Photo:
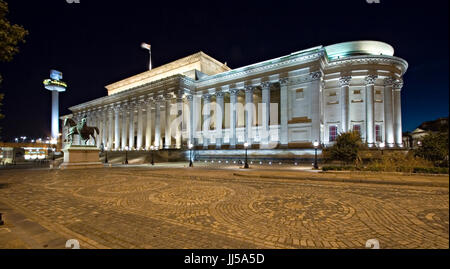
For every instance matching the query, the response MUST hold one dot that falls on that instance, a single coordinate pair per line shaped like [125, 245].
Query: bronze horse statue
[81, 129]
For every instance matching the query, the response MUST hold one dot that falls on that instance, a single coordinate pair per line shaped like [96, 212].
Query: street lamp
[126, 155]
[151, 149]
[382, 145]
[191, 164]
[316, 145]
[246, 159]
[106, 154]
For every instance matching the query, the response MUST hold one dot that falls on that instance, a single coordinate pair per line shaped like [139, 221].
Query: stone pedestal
[80, 157]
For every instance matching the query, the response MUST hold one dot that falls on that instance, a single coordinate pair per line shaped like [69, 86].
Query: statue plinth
[80, 157]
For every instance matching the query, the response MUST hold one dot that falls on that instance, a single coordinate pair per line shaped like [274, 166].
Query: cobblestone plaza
[160, 207]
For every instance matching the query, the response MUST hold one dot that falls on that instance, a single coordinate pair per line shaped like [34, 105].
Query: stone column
[388, 112]
[158, 122]
[117, 127]
[140, 125]
[249, 114]
[284, 111]
[179, 121]
[398, 113]
[233, 117]
[344, 83]
[132, 109]
[88, 118]
[206, 119]
[315, 108]
[190, 127]
[97, 117]
[370, 113]
[124, 126]
[219, 119]
[168, 131]
[110, 140]
[265, 134]
[148, 130]
[104, 126]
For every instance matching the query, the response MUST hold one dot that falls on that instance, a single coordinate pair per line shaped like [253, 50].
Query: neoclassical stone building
[283, 103]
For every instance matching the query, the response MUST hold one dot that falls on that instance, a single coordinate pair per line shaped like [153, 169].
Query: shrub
[398, 162]
[339, 168]
[431, 170]
[345, 149]
[434, 148]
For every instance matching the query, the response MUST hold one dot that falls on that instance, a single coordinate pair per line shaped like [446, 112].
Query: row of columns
[392, 109]
[315, 79]
[110, 118]
[118, 130]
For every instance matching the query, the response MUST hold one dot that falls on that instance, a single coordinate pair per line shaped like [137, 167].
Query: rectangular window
[299, 94]
[357, 128]
[333, 133]
[378, 134]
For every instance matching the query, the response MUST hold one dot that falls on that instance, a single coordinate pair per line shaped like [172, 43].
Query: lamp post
[151, 149]
[382, 145]
[316, 145]
[246, 159]
[106, 154]
[191, 164]
[126, 155]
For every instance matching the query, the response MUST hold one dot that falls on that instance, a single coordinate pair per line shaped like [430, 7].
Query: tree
[10, 37]
[346, 148]
[434, 147]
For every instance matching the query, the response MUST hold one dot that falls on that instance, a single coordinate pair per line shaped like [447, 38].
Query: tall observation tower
[55, 85]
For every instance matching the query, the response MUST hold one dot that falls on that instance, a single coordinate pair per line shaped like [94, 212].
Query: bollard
[1, 221]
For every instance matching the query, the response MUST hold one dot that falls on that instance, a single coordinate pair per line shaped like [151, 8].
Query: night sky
[97, 42]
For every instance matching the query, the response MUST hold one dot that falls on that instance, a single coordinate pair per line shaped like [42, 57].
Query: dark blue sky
[97, 42]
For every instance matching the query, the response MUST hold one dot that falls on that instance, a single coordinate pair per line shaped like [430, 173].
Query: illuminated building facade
[285, 103]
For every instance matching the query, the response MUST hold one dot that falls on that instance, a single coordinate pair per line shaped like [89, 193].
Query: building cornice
[154, 86]
[270, 65]
[371, 59]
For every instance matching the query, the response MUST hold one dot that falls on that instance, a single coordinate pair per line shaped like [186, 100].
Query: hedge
[424, 170]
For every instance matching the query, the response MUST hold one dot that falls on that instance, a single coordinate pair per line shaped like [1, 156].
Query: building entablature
[175, 84]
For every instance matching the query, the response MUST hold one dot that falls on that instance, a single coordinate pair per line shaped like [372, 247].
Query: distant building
[412, 139]
[11, 153]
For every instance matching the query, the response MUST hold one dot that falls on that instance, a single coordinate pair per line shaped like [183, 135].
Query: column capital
[265, 85]
[398, 85]
[249, 89]
[315, 75]
[206, 97]
[132, 104]
[284, 81]
[234, 91]
[389, 81]
[159, 99]
[141, 104]
[370, 79]
[148, 101]
[189, 97]
[168, 96]
[117, 107]
[345, 81]
[219, 94]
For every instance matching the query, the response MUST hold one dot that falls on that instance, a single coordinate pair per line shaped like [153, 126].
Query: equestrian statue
[81, 129]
